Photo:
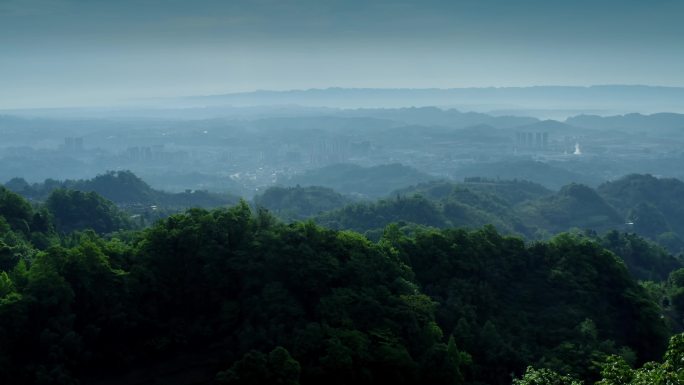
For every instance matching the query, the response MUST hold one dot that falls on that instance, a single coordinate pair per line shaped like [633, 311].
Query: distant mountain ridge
[562, 103]
[626, 98]
[632, 122]
[442, 117]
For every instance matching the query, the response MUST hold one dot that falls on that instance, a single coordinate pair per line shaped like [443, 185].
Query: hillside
[297, 203]
[436, 204]
[372, 217]
[512, 191]
[652, 204]
[548, 175]
[74, 210]
[123, 188]
[513, 207]
[573, 206]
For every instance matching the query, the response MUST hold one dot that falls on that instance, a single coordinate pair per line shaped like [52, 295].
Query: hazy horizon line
[635, 85]
[133, 102]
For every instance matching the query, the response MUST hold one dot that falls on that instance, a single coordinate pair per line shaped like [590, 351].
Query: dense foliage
[75, 210]
[366, 216]
[645, 259]
[233, 297]
[615, 371]
[561, 304]
[224, 283]
[297, 203]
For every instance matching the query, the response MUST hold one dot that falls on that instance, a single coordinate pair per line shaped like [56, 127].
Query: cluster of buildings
[532, 140]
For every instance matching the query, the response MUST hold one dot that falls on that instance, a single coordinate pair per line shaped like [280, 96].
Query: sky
[58, 53]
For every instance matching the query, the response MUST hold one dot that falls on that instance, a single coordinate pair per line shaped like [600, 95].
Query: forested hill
[123, 188]
[442, 204]
[550, 175]
[636, 203]
[232, 297]
[512, 191]
[297, 203]
[653, 205]
[573, 206]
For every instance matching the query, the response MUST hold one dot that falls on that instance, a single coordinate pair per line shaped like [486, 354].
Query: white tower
[577, 149]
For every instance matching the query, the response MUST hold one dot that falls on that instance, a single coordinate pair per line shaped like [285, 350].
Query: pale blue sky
[89, 52]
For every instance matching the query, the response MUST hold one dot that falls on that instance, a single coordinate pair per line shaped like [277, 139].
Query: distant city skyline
[82, 53]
